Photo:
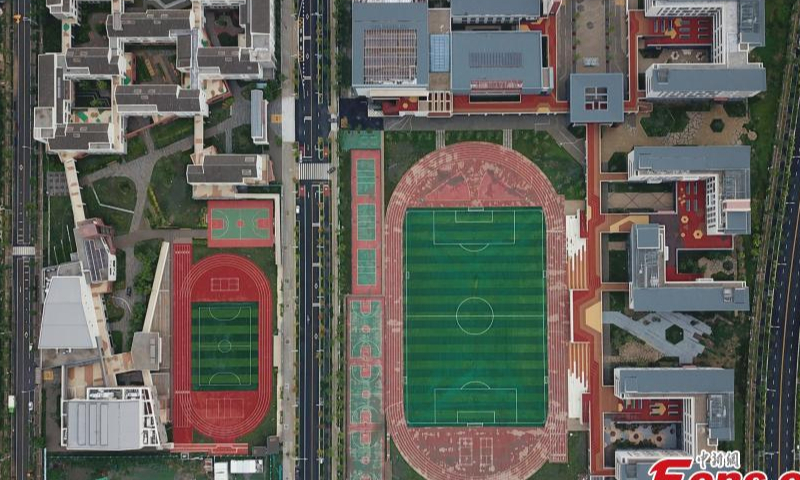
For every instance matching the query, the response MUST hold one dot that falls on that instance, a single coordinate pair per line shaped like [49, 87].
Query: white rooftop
[68, 320]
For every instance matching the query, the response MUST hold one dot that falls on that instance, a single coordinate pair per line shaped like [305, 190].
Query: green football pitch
[224, 346]
[475, 331]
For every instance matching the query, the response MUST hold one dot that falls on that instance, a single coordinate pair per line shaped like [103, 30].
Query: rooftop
[596, 98]
[152, 24]
[160, 99]
[707, 77]
[650, 292]
[228, 169]
[103, 425]
[501, 8]
[81, 136]
[674, 381]
[390, 43]
[68, 318]
[482, 59]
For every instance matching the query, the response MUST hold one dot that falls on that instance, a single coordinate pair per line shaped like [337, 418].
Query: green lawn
[566, 175]
[401, 470]
[169, 133]
[475, 312]
[118, 339]
[242, 142]
[170, 197]
[115, 191]
[764, 111]
[577, 466]
[665, 119]
[345, 196]
[216, 141]
[58, 229]
[136, 148]
[618, 162]
[401, 151]
[119, 467]
[618, 266]
[120, 283]
[94, 163]
[457, 136]
[219, 112]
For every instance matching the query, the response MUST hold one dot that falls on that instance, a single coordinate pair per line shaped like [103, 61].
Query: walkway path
[556, 126]
[141, 169]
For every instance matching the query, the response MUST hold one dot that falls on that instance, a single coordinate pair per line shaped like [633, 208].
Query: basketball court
[244, 223]
[225, 346]
[475, 349]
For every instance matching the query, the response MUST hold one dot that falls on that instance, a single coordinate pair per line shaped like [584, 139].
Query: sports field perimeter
[224, 346]
[475, 330]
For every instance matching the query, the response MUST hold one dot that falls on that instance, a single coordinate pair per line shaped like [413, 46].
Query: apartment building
[737, 28]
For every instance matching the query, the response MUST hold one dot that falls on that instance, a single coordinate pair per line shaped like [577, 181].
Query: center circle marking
[475, 316]
[224, 346]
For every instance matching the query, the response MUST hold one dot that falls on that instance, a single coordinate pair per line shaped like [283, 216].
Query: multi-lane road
[24, 224]
[782, 351]
[313, 204]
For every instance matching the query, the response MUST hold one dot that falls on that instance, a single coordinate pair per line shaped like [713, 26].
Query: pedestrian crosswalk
[314, 171]
[19, 251]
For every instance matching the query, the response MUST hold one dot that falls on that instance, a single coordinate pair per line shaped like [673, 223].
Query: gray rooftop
[228, 60]
[110, 425]
[81, 136]
[47, 80]
[257, 123]
[496, 56]
[731, 162]
[161, 99]
[151, 25]
[649, 291]
[390, 43]
[227, 169]
[501, 8]
[258, 17]
[93, 61]
[673, 381]
[752, 19]
[710, 79]
[691, 297]
[596, 98]
[716, 383]
[183, 52]
[66, 315]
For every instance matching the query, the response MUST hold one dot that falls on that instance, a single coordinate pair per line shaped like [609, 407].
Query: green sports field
[475, 331]
[224, 346]
[239, 224]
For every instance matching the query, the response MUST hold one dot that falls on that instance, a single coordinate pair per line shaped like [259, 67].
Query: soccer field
[224, 346]
[475, 330]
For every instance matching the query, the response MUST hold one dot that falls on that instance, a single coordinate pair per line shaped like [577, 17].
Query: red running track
[221, 415]
[478, 174]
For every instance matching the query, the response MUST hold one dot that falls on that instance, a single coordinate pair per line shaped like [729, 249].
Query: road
[781, 374]
[24, 224]
[313, 202]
